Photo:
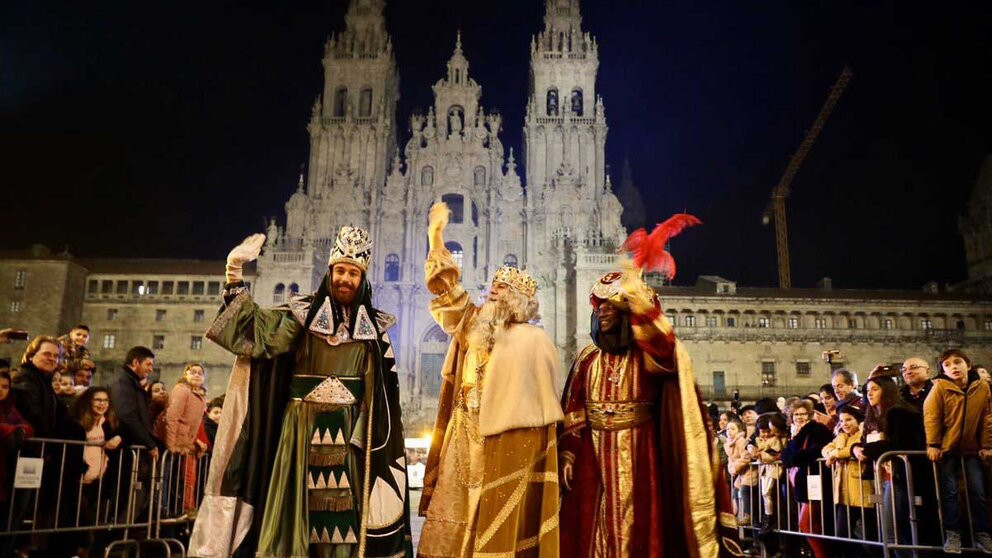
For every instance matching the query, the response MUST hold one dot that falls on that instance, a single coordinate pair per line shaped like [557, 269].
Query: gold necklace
[615, 373]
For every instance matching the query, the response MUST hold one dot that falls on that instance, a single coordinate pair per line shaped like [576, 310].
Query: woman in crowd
[800, 457]
[890, 425]
[96, 423]
[13, 430]
[852, 494]
[767, 450]
[158, 397]
[187, 404]
[828, 417]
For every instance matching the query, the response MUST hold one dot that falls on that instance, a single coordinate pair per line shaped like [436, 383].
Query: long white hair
[496, 315]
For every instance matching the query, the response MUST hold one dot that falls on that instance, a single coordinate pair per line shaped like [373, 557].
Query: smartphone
[17, 334]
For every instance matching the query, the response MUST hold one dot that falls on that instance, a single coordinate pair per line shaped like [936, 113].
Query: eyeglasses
[913, 367]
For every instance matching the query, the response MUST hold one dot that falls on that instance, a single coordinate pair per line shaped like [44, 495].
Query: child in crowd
[958, 424]
[767, 450]
[853, 494]
[738, 465]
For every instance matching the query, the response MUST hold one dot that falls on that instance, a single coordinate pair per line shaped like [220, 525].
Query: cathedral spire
[563, 16]
[458, 64]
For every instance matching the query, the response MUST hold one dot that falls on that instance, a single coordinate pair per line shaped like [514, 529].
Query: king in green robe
[309, 458]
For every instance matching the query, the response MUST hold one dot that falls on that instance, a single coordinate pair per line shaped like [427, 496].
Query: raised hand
[247, 251]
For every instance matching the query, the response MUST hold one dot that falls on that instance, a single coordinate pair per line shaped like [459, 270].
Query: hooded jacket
[958, 420]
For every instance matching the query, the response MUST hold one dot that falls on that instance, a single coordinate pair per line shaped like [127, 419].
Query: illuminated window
[15, 306]
[886, 324]
[712, 321]
[158, 341]
[109, 341]
[279, 294]
[793, 322]
[20, 278]
[690, 321]
[764, 321]
[196, 342]
[925, 323]
[820, 323]
[768, 374]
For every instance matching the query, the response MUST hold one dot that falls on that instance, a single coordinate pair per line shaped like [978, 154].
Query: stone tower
[976, 228]
[352, 137]
[573, 217]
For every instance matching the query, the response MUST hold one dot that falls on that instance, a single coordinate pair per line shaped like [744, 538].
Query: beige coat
[948, 411]
[739, 462]
[849, 489]
[183, 417]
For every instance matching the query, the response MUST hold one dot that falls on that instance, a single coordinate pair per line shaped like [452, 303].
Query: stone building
[357, 175]
[770, 341]
[976, 228]
[165, 305]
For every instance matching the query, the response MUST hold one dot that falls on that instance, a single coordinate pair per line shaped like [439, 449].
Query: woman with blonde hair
[183, 416]
[187, 402]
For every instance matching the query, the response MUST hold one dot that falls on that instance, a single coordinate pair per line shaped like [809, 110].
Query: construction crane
[776, 205]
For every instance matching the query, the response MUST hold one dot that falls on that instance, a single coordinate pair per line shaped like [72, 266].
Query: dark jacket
[802, 451]
[38, 404]
[130, 402]
[903, 432]
[918, 399]
[854, 401]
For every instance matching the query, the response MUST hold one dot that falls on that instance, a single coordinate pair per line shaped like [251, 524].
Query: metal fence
[894, 511]
[70, 493]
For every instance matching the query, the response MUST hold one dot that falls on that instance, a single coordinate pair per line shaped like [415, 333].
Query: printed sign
[28, 472]
[813, 488]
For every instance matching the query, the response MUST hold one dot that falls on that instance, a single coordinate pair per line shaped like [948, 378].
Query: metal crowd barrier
[128, 504]
[887, 523]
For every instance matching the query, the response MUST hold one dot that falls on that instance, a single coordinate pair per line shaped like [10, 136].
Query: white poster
[28, 472]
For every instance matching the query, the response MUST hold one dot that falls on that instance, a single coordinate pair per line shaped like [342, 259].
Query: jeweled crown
[518, 280]
[352, 246]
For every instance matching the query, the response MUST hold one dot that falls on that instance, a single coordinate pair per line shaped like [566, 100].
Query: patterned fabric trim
[224, 319]
[317, 503]
[335, 456]
[384, 320]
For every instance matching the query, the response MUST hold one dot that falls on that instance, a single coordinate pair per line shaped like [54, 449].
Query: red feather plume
[648, 250]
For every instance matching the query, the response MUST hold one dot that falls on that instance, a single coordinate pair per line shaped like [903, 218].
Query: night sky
[173, 129]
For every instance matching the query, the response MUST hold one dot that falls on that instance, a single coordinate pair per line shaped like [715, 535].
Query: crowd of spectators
[808, 463]
[93, 431]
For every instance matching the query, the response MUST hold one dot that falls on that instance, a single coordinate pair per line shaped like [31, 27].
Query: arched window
[392, 267]
[294, 288]
[427, 176]
[457, 253]
[510, 259]
[456, 203]
[365, 102]
[340, 101]
[577, 102]
[433, 348]
[480, 176]
[552, 105]
[279, 294]
[475, 214]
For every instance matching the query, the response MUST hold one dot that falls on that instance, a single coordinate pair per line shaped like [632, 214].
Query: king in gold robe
[640, 472]
[491, 481]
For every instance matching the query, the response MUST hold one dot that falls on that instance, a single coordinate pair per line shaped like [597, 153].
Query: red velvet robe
[629, 493]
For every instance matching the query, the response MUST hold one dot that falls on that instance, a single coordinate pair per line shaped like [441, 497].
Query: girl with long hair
[94, 415]
[890, 425]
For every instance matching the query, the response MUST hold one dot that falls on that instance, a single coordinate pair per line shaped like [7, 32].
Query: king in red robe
[640, 469]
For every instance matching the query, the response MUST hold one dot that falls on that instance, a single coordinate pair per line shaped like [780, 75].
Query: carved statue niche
[455, 119]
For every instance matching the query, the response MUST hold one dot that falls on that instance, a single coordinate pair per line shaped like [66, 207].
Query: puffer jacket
[739, 462]
[183, 416]
[958, 420]
[849, 488]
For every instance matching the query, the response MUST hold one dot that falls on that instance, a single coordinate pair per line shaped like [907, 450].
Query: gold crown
[607, 287]
[352, 246]
[518, 280]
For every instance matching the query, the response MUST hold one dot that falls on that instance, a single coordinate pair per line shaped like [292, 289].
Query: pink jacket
[182, 417]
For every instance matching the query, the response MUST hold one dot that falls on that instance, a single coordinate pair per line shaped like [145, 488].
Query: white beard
[488, 324]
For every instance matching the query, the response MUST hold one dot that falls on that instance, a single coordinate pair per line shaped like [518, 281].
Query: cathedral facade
[561, 223]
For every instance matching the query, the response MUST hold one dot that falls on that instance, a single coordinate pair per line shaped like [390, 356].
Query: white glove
[247, 251]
